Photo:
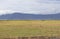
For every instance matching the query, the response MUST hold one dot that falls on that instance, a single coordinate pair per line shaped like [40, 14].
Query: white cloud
[30, 6]
[6, 12]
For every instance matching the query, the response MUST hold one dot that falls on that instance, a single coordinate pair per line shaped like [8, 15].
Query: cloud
[6, 12]
[30, 6]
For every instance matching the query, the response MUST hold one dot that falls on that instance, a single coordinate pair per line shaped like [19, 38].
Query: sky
[30, 6]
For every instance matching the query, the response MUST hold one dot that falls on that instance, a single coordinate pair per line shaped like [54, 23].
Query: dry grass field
[21, 28]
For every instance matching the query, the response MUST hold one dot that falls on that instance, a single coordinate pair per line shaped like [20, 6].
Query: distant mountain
[20, 16]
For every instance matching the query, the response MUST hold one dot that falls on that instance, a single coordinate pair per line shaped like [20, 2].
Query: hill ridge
[21, 16]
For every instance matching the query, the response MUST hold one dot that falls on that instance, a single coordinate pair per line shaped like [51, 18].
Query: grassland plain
[29, 28]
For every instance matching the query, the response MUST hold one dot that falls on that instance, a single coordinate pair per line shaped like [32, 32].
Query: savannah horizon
[30, 19]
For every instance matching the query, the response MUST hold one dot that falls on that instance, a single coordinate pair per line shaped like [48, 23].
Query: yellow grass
[29, 28]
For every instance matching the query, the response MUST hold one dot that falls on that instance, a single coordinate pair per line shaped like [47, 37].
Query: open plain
[23, 28]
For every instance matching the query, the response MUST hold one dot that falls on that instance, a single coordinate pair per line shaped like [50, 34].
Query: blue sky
[30, 6]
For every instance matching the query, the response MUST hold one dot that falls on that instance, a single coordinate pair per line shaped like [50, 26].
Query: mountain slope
[20, 16]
